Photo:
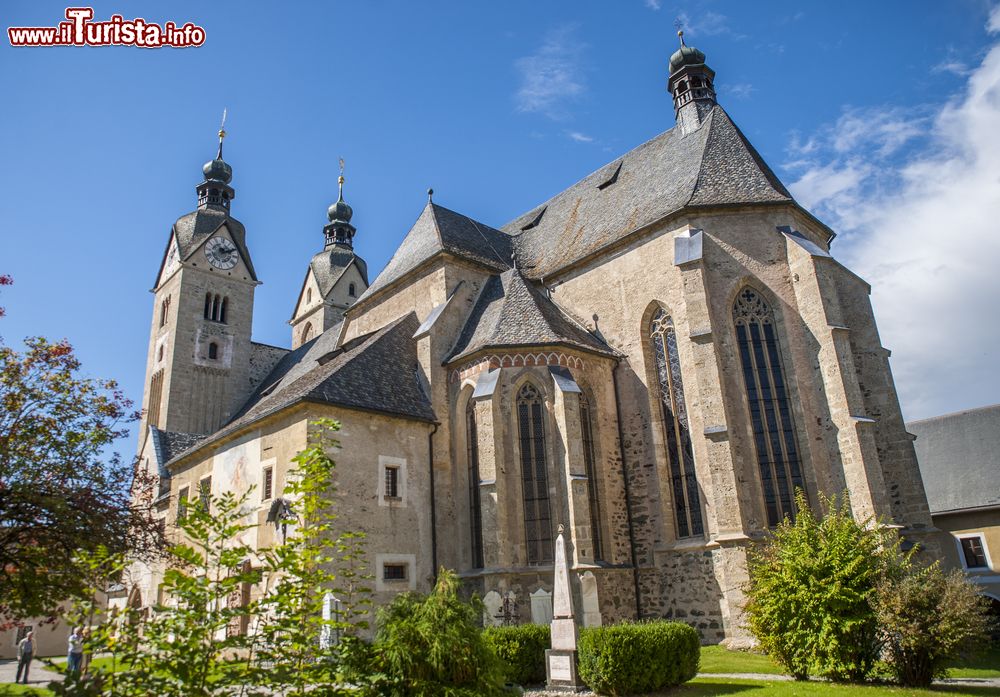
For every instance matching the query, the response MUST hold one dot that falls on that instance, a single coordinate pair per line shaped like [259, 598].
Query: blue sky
[881, 117]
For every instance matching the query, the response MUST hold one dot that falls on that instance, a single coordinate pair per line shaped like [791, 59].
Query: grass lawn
[11, 690]
[716, 659]
[700, 687]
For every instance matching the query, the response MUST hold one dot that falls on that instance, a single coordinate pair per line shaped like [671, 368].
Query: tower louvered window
[534, 475]
[475, 505]
[155, 397]
[770, 415]
[593, 485]
[677, 430]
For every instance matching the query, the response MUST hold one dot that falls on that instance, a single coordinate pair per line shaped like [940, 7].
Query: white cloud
[741, 90]
[709, 24]
[579, 137]
[552, 76]
[916, 198]
[653, 4]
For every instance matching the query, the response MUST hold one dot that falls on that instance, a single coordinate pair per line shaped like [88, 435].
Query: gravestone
[560, 660]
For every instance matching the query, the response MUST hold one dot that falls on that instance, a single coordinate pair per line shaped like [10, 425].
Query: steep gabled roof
[376, 372]
[512, 311]
[440, 230]
[714, 165]
[959, 458]
[330, 264]
[197, 226]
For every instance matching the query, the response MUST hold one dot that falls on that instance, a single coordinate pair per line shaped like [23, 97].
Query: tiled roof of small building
[441, 230]
[192, 229]
[714, 165]
[512, 311]
[959, 458]
[376, 372]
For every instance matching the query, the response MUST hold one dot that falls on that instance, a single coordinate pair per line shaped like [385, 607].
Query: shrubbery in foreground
[521, 650]
[637, 658]
[830, 595]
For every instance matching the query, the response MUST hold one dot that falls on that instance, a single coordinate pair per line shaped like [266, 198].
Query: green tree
[811, 589]
[294, 639]
[191, 644]
[927, 618]
[60, 492]
[432, 646]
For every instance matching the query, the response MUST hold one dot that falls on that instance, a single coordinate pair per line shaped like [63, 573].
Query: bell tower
[197, 366]
[336, 278]
[692, 85]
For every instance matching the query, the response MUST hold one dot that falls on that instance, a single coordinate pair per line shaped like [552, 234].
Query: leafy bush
[928, 617]
[521, 650]
[811, 591]
[430, 646]
[637, 658]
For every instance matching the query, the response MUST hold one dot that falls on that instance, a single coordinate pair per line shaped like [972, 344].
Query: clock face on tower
[221, 253]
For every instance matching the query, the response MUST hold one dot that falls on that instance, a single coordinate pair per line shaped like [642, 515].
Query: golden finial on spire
[222, 133]
[340, 179]
[680, 35]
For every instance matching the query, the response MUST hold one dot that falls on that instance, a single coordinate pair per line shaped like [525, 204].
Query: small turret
[691, 83]
[215, 191]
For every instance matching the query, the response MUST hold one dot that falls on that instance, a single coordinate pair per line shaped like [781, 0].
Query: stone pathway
[38, 676]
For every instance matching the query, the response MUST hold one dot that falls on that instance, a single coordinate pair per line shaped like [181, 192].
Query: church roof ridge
[512, 311]
[439, 229]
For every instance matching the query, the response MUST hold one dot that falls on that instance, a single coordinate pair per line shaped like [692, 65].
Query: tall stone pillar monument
[560, 660]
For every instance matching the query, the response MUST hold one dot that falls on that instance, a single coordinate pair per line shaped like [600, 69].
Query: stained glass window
[475, 508]
[683, 480]
[534, 475]
[593, 486]
[770, 412]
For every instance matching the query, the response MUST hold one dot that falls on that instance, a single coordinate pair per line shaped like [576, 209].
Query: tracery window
[475, 504]
[593, 486]
[767, 396]
[534, 475]
[677, 431]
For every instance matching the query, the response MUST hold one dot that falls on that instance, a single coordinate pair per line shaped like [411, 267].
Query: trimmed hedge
[521, 650]
[636, 658]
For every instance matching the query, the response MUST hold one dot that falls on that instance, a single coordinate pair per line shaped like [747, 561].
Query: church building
[655, 358]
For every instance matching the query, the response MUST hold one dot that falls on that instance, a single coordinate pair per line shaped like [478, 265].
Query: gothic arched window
[770, 415]
[593, 486]
[164, 311]
[677, 430]
[475, 506]
[224, 310]
[208, 306]
[351, 290]
[534, 475]
[213, 351]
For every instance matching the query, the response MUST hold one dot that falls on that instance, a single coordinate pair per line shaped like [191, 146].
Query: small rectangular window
[392, 482]
[182, 502]
[394, 572]
[268, 483]
[974, 553]
[205, 493]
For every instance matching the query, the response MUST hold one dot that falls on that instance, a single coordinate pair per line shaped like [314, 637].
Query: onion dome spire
[215, 191]
[339, 231]
[691, 84]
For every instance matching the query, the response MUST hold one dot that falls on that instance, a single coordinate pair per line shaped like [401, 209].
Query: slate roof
[169, 444]
[330, 264]
[376, 372]
[959, 457]
[441, 230]
[192, 229]
[511, 311]
[714, 165]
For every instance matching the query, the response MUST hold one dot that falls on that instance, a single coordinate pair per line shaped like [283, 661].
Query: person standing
[25, 652]
[75, 656]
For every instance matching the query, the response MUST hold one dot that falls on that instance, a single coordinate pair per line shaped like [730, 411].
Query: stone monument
[560, 660]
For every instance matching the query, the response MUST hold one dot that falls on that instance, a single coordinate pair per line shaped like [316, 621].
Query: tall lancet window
[767, 395]
[534, 475]
[593, 485]
[475, 506]
[677, 431]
